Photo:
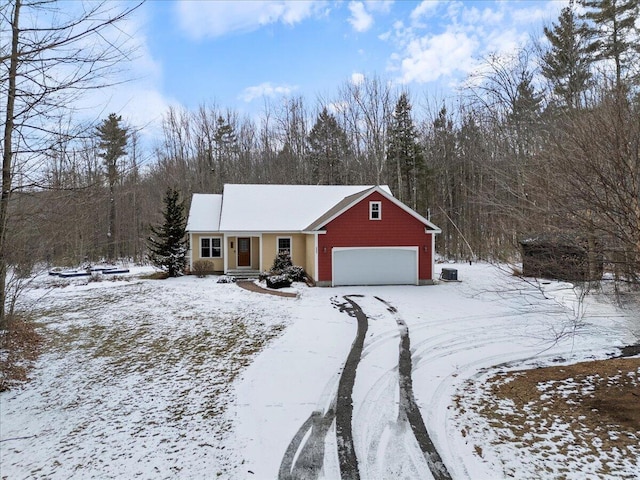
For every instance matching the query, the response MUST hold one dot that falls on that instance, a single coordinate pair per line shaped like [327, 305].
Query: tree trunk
[6, 163]
[111, 237]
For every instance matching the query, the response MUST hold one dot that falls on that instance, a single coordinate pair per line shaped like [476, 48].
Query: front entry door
[244, 252]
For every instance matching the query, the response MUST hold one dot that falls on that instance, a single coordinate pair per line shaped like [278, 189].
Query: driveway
[361, 385]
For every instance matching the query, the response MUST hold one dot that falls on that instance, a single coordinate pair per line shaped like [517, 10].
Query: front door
[244, 252]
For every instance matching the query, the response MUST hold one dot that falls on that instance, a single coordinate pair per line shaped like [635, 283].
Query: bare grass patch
[587, 414]
[19, 348]
[149, 365]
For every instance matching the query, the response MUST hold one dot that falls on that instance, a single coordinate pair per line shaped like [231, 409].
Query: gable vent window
[375, 210]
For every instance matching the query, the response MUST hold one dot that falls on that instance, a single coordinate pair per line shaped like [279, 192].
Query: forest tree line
[545, 140]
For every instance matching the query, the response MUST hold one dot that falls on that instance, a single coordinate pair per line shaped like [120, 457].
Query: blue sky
[237, 54]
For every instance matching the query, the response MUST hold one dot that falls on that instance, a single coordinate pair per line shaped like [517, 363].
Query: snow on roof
[283, 208]
[204, 214]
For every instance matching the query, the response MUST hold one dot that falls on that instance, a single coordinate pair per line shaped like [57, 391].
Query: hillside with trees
[543, 141]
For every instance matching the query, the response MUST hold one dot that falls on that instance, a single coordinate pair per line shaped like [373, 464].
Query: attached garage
[375, 266]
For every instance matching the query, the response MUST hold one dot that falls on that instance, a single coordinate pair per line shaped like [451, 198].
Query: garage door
[375, 266]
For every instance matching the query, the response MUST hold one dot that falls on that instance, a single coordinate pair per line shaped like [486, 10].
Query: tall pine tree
[565, 64]
[168, 248]
[404, 154]
[612, 33]
[226, 147]
[328, 150]
[113, 139]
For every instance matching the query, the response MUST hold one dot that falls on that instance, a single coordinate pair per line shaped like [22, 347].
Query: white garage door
[375, 266]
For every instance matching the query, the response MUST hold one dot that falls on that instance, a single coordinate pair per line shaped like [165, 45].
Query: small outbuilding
[561, 257]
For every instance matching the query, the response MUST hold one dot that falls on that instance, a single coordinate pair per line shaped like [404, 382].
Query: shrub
[281, 262]
[283, 268]
[155, 276]
[202, 268]
[262, 276]
[278, 281]
[295, 273]
[226, 279]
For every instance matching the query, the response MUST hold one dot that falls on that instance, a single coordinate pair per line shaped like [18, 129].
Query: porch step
[243, 274]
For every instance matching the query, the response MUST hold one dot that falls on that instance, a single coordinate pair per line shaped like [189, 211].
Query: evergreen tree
[328, 148]
[113, 139]
[404, 154]
[612, 32]
[226, 146]
[523, 118]
[525, 109]
[565, 64]
[168, 248]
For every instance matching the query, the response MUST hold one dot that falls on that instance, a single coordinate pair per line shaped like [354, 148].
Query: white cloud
[425, 9]
[485, 18]
[382, 6]
[266, 89]
[539, 12]
[506, 41]
[357, 78]
[360, 19]
[217, 18]
[445, 41]
[429, 58]
[337, 107]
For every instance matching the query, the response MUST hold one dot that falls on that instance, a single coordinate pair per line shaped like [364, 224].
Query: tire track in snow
[380, 434]
[305, 455]
[307, 464]
[344, 405]
[409, 410]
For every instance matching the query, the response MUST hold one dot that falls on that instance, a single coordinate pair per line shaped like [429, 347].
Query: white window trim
[379, 211]
[211, 239]
[290, 245]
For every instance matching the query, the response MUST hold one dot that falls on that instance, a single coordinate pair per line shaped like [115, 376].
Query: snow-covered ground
[188, 378]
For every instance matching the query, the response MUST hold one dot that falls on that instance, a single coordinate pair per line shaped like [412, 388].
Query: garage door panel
[375, 266]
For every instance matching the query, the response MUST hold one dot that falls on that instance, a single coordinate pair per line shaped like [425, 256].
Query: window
[210, 248]
[284, 245]
[375, 210]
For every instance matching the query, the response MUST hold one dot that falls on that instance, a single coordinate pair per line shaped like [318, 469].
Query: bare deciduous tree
[48, 62]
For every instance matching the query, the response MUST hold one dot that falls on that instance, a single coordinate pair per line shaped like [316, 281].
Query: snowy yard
[188, 378]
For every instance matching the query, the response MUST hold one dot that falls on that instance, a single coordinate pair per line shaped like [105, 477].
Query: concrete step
[243, 274]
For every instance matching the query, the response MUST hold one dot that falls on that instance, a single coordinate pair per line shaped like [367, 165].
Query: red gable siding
[354, 229]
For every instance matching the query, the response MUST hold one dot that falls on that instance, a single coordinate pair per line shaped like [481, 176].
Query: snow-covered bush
[283, 268]
[281, 262]
[226, 279]
[295, 273]
[262, 276]
[278, 281]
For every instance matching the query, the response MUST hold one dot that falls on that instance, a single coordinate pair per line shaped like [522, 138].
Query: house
[340, 234]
